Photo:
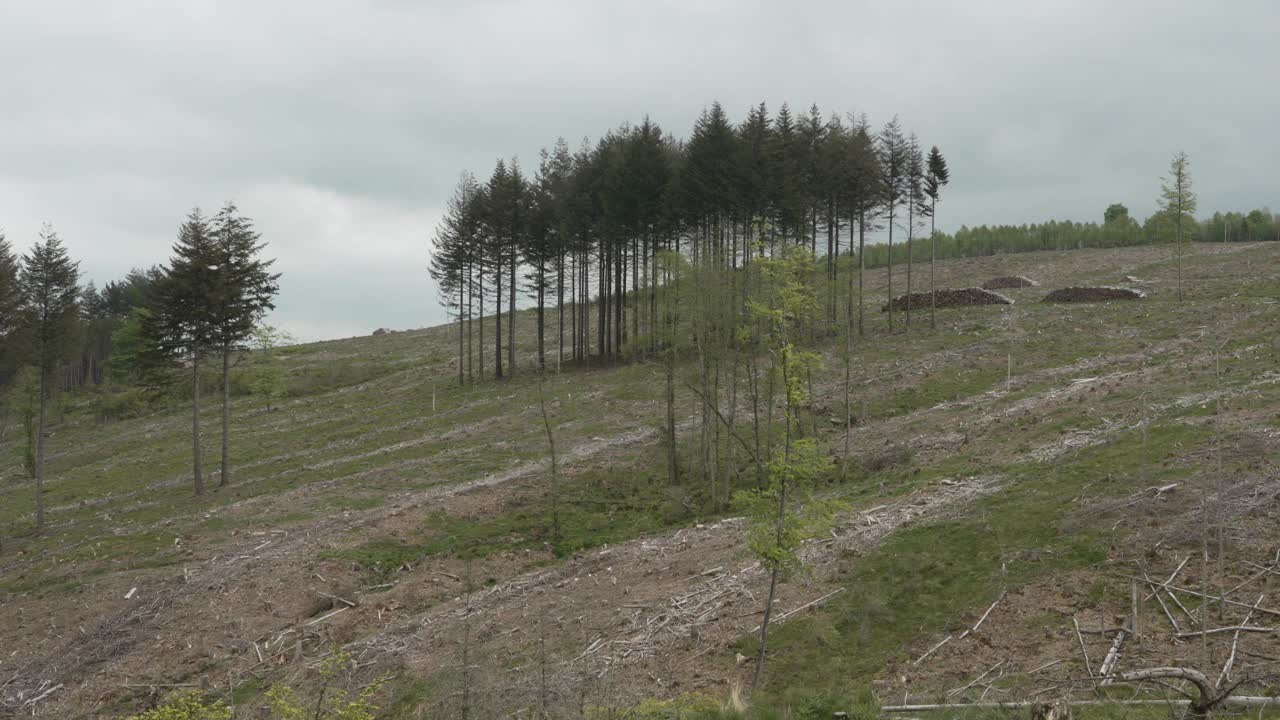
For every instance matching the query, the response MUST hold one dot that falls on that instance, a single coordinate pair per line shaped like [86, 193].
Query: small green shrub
[117, 406]
[187, 707]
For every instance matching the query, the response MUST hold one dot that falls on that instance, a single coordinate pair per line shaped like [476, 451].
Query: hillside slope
[1036, 454]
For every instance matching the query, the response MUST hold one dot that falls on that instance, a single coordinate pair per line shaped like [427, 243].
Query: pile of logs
[962, 297]
[1093, 294]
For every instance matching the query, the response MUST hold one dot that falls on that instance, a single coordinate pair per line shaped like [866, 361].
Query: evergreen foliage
[48, 284]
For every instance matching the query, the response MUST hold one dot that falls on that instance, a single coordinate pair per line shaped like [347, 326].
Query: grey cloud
[342, 126]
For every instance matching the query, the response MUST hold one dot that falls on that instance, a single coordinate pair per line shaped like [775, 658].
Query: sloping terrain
[1034, 456]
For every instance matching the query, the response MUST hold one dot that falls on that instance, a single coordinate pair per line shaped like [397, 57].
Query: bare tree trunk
[781, 528]
[542, 351]
[890, 269]
[497, 318]
[933, 252]
[673, 465]
[226, 418]
[39, 465]
[862, 267]
[555, 475]
[911, 226]
[511, 317]
[195, 423]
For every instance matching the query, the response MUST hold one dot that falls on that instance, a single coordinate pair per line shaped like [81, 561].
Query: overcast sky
[341, 127]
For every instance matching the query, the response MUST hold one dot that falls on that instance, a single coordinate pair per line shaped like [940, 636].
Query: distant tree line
[57, 336]
[580, 240]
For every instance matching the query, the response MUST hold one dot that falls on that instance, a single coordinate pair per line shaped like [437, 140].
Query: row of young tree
[56, 335]
[583, 236]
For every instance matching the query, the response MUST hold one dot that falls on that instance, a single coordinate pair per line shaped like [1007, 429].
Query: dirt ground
[655, 616]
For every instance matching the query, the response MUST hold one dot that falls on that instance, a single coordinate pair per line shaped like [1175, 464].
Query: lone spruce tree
[892, 152]
[181, 324]
[243, 291]
[936, 177]
[1178, 205]
[784, 512]
[50, 302]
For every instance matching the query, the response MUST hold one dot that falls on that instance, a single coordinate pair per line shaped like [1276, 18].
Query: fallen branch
[1045, 666]
[809, 604]
[1234, 700]
[1113, 656]
[1206, 596]
[1235, 642]
[988, 612]
[975, 681]
[326, 617]
[1165, 608]
[32, 702]
[1172, 576]
[1237, 629]
[1083, 651]
[342, 600]
[1208, 695]
[921, 659]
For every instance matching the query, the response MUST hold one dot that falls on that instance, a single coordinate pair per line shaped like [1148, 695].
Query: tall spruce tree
[865, 195]
[10, 299]
[915, 205]
[50, 297]
[244, 291]
[182, 322]
[500, 216]
[453, 256]
[936, 177]
[893, 155]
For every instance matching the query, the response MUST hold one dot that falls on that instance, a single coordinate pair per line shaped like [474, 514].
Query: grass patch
[921, 578]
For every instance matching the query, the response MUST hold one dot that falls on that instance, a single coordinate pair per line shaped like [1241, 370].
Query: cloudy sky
[341, 126]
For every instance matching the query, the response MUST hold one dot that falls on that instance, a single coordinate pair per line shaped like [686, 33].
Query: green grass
[925, 576]
[358, 429]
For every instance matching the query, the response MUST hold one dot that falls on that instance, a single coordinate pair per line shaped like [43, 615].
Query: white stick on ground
[1235, 641]
[1113, 656]
[988, 612]
[920, 659]
[1083, 651]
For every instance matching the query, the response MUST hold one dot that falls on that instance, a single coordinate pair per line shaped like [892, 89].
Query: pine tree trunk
[673, 466]
[461, 324]
[511, 318]
[890, 270]
[560, 312]
[542, 356]
[226, 418]
[862, 267]
[497, 338]
[196, 471]
[911, 225]
[39, 468]
[470, 350]
[933, 255]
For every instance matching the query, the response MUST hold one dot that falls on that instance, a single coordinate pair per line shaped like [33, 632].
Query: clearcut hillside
[1018, 466]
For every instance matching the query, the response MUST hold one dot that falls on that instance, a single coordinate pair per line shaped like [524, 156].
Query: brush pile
[962, 297]
[1093, 294]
